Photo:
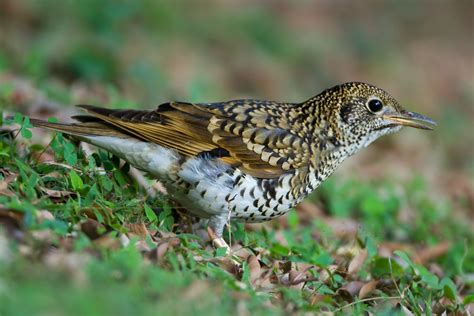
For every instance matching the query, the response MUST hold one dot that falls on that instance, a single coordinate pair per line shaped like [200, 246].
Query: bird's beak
[411, 119]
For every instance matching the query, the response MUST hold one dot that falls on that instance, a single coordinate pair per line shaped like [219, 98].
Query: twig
[378, 298]
[45, 148]
[393, 277]
[308, 279]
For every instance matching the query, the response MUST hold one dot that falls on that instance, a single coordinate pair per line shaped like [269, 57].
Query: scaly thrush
[250, 160]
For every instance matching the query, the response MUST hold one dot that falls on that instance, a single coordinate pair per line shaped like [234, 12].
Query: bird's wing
[254, 136]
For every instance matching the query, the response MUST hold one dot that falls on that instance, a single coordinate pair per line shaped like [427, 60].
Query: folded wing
[251, 135]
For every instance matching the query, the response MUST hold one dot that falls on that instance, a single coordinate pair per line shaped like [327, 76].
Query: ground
[82, 233]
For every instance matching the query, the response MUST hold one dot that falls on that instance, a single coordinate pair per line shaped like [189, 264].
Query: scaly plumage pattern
[245, 159]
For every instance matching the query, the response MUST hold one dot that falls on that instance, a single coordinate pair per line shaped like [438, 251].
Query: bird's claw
[221, 243]
[218, 242]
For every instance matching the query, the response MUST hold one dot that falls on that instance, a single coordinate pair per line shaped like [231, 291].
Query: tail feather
[80, 129]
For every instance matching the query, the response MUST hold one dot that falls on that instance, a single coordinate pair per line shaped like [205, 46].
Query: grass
[81, 236]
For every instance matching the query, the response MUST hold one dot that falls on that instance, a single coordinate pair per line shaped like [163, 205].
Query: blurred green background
[154, 51]
[54, 54]
[149, 52]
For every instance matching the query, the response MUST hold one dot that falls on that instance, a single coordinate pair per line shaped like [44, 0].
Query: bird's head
[363, 113]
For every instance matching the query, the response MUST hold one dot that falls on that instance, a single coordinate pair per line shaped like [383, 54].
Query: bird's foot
[221, 243]
[218, 242]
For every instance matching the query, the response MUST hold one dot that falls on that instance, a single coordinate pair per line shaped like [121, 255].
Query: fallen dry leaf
[103, 211]
[386, 249]
[161, 250]
[137, 229]
[367, 289]
[241, 252]
[44, 215]
[357, 262]
[285, 279]
[424, 255]
[166, 235]
[56, 193]
[297, 279]
[92, 228]
[108, 242]
[12, 222]
[254, 268]
[142, 246]
[44, 156]
[4, 185]
[325, 274]
[352, 289]
[63, 165]
[318, 298]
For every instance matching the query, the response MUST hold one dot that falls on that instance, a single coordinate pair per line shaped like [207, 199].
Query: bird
[248, 160]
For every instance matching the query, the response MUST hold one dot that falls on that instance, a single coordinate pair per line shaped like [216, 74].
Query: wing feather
[254, 133]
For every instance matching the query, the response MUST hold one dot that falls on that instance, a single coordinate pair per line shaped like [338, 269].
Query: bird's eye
[375, 105]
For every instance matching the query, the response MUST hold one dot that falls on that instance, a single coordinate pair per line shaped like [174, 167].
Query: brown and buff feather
[250, 133]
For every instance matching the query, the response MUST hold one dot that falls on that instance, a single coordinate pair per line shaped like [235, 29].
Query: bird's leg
[215, 229]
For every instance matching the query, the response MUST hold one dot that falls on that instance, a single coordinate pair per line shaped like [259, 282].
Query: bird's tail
[83, 129]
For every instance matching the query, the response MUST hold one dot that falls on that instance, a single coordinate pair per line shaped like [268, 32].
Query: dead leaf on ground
[142, 246]
[351, 289]
[367, 289]
[166, 235]
[161, 250]
[386, 249]
[4, 185]
[101, 210]
[92, 228]
[56, 193]
[357, 262]
[325, 274]
[44, 215]
[429, 253]
[266, 280]
[228, 264]
[254, 268]
[15, 217]
[296, 279]
[137, 229]
[317, 298]
[241, 252]
[63, 165]
[108, 242]
[43, 156]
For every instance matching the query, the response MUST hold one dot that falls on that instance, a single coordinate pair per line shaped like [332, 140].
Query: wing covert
[256, 134]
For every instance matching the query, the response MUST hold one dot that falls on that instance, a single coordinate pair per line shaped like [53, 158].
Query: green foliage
[154, 51]
[76, 189]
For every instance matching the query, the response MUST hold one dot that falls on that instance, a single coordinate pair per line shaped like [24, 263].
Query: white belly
[205, 187]
[199, 185]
